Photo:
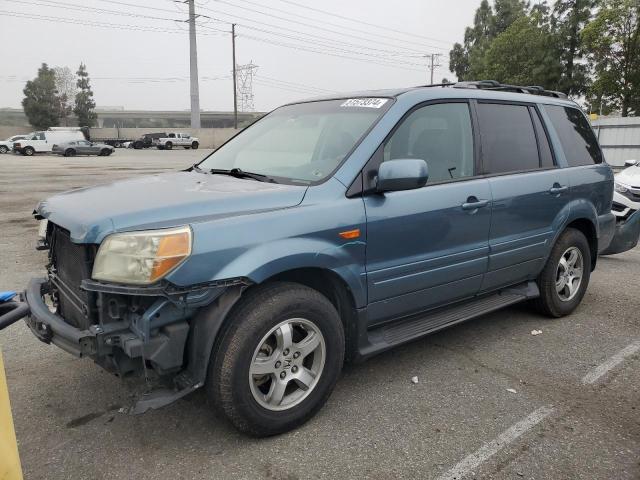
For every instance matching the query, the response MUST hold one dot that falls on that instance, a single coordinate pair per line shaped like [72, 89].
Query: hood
[630, 176]
[160, 201]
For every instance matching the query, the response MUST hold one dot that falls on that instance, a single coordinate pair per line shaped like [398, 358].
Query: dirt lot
[572, 412]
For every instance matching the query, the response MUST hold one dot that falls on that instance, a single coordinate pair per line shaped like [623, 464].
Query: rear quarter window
[578, 141]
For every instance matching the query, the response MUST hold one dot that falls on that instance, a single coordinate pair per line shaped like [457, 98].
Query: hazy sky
[138, 62]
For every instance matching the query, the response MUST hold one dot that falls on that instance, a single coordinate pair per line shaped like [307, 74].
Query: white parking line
[471, 462]
[602, 369]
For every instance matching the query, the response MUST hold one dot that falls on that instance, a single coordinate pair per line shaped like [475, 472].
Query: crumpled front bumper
[51, 328]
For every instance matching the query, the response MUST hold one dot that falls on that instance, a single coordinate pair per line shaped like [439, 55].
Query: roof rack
[494, 85]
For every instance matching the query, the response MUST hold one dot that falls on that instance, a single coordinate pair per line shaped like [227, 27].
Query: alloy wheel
[287, 364]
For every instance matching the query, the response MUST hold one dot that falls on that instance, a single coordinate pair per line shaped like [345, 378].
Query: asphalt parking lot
[492, 400]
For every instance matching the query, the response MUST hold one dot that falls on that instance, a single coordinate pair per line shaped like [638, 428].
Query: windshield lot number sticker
[365, 102]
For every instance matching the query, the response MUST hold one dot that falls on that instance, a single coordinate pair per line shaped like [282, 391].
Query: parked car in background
[7, 145]
[82, 147]
[176, 140]
[626, 197]
[626, 208]
[146, 140]
[331, 229]
[43, 141]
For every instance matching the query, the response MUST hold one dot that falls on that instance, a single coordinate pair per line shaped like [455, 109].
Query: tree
[66, 87]
[569, 19]
[84, 104]
[613, 40]
[524, 54]
[464, 59]
[468, 60]
[41, 103]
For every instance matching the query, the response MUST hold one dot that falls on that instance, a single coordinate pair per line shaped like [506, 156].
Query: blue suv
[329, 230]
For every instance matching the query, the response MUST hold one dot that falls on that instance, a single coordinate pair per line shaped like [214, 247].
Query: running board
[401, 331]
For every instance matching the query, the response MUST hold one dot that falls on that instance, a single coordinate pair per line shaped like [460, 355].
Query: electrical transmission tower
[244, 86]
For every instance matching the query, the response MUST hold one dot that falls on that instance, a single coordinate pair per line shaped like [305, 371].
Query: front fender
[346, 259]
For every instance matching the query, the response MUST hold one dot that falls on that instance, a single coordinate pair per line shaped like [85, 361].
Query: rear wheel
[195, 145]
[28, 151]
[4, 149]
[565, 277]
[168, 145]
[70, 152]
[278, 360]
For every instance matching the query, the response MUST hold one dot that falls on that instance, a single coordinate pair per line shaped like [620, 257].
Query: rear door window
[508, 139]
[579, 144]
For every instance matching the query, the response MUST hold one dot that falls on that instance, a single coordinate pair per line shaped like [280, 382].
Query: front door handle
[557, 189]
[473, 203]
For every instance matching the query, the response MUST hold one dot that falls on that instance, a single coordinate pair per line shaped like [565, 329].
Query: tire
[70, 152]
[105, 152]
[138, 145]
[239, 395]
[553, 301]
[28, 151]
[195, 145]
[4, 149]
[168, 145]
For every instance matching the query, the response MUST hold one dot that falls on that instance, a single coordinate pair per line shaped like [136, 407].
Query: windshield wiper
[196, 168]
[239, 173]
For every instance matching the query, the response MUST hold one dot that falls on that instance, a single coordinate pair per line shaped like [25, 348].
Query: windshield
[304, 143]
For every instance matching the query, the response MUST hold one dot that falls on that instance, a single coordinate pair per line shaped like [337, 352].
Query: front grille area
[71, 263]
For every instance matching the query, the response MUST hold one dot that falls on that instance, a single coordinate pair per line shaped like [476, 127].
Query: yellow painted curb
[9, 459]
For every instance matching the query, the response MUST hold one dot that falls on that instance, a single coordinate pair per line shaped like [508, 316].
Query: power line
[84, 8]
[335, 32]
[350, 19]
[323, 52]
[272, 8]
[89, 23]
[333, 48]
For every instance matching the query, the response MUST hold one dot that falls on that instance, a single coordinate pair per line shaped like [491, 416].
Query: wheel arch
[588, 229]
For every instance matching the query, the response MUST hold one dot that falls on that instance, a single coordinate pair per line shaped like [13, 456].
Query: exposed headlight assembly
[141, 258]
[620, 188]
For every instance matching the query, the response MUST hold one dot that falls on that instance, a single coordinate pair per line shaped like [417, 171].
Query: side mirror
[631, 163]
[404, 174]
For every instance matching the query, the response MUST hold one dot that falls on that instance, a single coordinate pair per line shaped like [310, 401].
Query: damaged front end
[128, 330]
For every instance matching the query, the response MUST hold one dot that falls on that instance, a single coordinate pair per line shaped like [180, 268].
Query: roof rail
[495, 85]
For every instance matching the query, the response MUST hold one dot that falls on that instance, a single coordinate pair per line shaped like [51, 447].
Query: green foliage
[84, 103]
[41, 102]
[613, 41]
[568, 20]
[523, 55]
[514, 43]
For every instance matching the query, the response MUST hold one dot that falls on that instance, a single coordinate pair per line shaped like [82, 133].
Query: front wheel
[168, 146]
[278, 360]
[565, 277]
[4, 149]
[195, 145]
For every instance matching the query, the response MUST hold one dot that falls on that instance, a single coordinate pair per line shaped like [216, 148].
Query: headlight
[620, 188]
[141, 257]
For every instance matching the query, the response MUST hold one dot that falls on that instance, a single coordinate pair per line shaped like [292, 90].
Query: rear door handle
[473, 203]
[556, 189]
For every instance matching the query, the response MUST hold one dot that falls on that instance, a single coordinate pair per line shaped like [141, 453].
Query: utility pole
[235, 88]
[434, 57]
[193, 65]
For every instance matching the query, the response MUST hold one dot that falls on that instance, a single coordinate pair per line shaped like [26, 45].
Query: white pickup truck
[176, 140]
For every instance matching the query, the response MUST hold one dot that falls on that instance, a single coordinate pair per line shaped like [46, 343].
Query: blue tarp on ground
[6, 296]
